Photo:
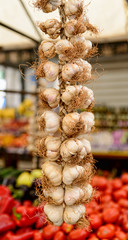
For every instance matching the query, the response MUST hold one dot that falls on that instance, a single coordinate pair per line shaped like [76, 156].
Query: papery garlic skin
[52, 147]
[53, 172]
[72, 7]
[51, 71]
[72, 92]
[71, 173]
[72, 214]
[47, 48]
[51, 27]
[72, 148]
[54, 213]
[74, 194]
[49, 122]
[56, 194]
[63, 45]
[88, 119]
[51, 96]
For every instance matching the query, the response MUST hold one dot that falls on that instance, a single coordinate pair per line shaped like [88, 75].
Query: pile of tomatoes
[108, 211]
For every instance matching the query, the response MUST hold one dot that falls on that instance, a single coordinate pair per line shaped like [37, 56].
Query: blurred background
[19, 41]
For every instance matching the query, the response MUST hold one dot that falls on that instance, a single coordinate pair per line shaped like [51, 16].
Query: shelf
[121, 155]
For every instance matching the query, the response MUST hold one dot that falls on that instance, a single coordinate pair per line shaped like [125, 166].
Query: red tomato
[95, 221]
[59, 236]
[106, 231]
[124, 178]
[118, 228]
[110, 204]
[125, 187]
[38, 235]
[66, 228]
[127, 236]
[89, 210]
[49, 231]
[117, 184]
[119, 194]
[106, 198]
[108, 190]
[99, 182]
[123, 203]
[78, 234]
[125, 225]
[93, 237]
[110, 215]
[120, 235]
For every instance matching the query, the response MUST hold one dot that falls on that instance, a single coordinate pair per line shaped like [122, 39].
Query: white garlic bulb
[49, 148]
[49, 122]
[53, 172]
[77, 96]
[47, 5]
[72, 214]
[72, 173]
[50, 96]
[86, 144]
[51, 27]
[88, 119]
[54, 213]
[80, 68]
[73, 8]
[74, 27]
[62, 46]
[72, 124]
[47, 49]
[75, 194]
[51, 71]
[69, 70]
[56, 194]
[72, 149]
[81, 41]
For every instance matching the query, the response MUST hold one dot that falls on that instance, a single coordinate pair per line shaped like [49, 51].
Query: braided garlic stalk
[68, 162]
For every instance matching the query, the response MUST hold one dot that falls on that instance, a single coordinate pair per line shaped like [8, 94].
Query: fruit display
[107, 213]
[68, 162]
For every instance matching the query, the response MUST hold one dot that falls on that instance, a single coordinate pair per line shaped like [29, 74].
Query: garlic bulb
[51, 27]
[51, 71]
[72, 173]
[69, 70]
[88, 119]
[72, 124]
[77, 96]
[49, 122]
[47, 5]
[50, 96]
[62, 46]
[46, 49]
[72, 214]
[74, 27]
[47, 69]
[53, 172]
[75, 194]
[49, 148]
[80, 41]
[54, 213]
[72, 150]
[56, 194]
[86, 144]
[73, 8]
[79, 71]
